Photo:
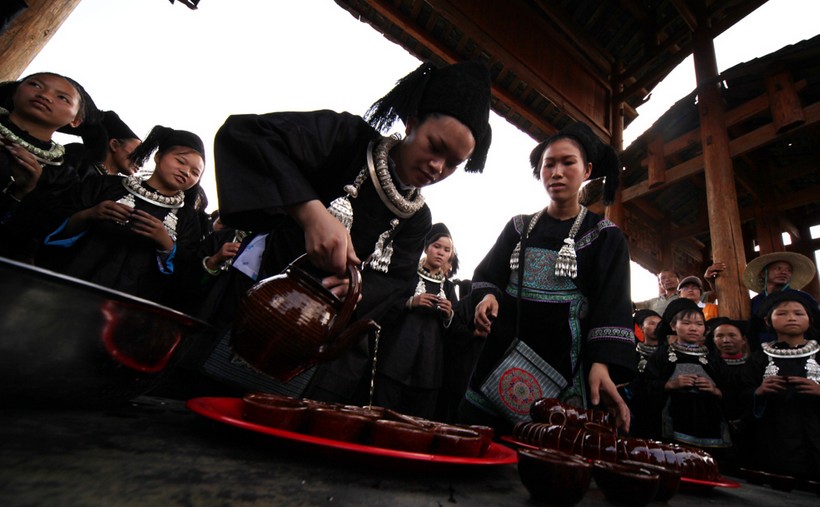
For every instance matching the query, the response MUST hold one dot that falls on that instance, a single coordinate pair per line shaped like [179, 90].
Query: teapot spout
[346, 339]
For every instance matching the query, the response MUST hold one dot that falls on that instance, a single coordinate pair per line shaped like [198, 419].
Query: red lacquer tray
[686, 482]
[229, 411]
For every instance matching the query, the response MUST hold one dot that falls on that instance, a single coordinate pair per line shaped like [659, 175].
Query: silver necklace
[809, 349]
[134, 186]
[699, 351]
[424, 274]
[376, 167]
[52, 156]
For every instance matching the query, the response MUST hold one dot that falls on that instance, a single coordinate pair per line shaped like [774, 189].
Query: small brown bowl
[553, 476]
[281, 412]
[336, 424]
[487, 434]
[625, 484]
[400, 436]
[668, 479]
[455, 441]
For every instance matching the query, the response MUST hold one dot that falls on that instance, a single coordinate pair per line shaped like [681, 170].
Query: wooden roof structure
[556, 61]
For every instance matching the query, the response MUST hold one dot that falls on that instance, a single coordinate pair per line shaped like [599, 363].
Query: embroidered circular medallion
[518, 390]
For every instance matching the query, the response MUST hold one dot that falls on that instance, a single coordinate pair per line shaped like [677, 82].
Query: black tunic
[570, 323]
[787, 424]
[265, 163]
[690, 416]
[113, 256]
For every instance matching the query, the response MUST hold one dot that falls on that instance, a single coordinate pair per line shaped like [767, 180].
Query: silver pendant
[673, 358]
[771, 369]
[342, 210]
[813, 370]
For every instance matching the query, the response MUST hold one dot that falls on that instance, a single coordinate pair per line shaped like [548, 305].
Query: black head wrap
[461, 90]
[641, 316]
[116, 128]
[161, 138]
[604, 160]
[782, 296]
[436, 231]
[439, 230]
[672, 309]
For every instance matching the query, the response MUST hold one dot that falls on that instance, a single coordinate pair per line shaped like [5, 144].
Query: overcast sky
[157, 63]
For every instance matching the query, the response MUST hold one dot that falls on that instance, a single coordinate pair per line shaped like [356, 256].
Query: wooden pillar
[721, 196]
[29, 32]
[615, 211]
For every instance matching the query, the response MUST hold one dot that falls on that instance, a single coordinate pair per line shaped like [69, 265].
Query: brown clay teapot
[290, 322]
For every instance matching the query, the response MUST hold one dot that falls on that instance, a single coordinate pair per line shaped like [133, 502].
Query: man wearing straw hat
[772, 273]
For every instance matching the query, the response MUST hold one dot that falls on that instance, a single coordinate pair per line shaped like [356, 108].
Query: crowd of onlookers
[746, 390]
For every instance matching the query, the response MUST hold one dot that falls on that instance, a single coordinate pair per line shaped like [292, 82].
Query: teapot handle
[354, 288]
[345, 339]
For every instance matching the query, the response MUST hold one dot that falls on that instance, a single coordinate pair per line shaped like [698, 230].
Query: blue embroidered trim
[590, 236]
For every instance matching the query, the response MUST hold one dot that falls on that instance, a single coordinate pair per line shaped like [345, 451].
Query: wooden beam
[29, 32]
[657, 162]
[784, 103]
[685, 14]
[742, 144]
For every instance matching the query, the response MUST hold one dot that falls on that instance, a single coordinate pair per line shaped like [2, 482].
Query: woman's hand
[226, 251]
[327, 242]
[804, 386]
[149, 226]
[602, 387]
[707, 386]
[338, 286]
[425, 300]
[445, 306]
[681, 382]
[109, 210]
[25, 170]
[485, 313]
[771, 385]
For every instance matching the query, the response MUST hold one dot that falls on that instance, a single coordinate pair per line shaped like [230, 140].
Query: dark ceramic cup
[400, 436]
[455, 441]
[668, 479]
[554, 477]
[336, 424]
[625, 484]
[281, 412]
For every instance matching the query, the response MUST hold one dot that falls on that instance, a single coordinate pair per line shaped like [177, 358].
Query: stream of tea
[373, 371]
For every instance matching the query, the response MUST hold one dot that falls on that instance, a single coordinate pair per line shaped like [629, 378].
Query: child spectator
[687, 375]
[129, 234]
[33, 172]
[785, 377]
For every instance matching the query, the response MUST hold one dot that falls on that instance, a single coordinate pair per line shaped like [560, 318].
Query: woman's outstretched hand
[602, 387]
[485, 313]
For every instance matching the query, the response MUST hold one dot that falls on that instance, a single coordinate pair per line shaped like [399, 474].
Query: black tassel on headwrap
[402, 101]
[605, 163]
